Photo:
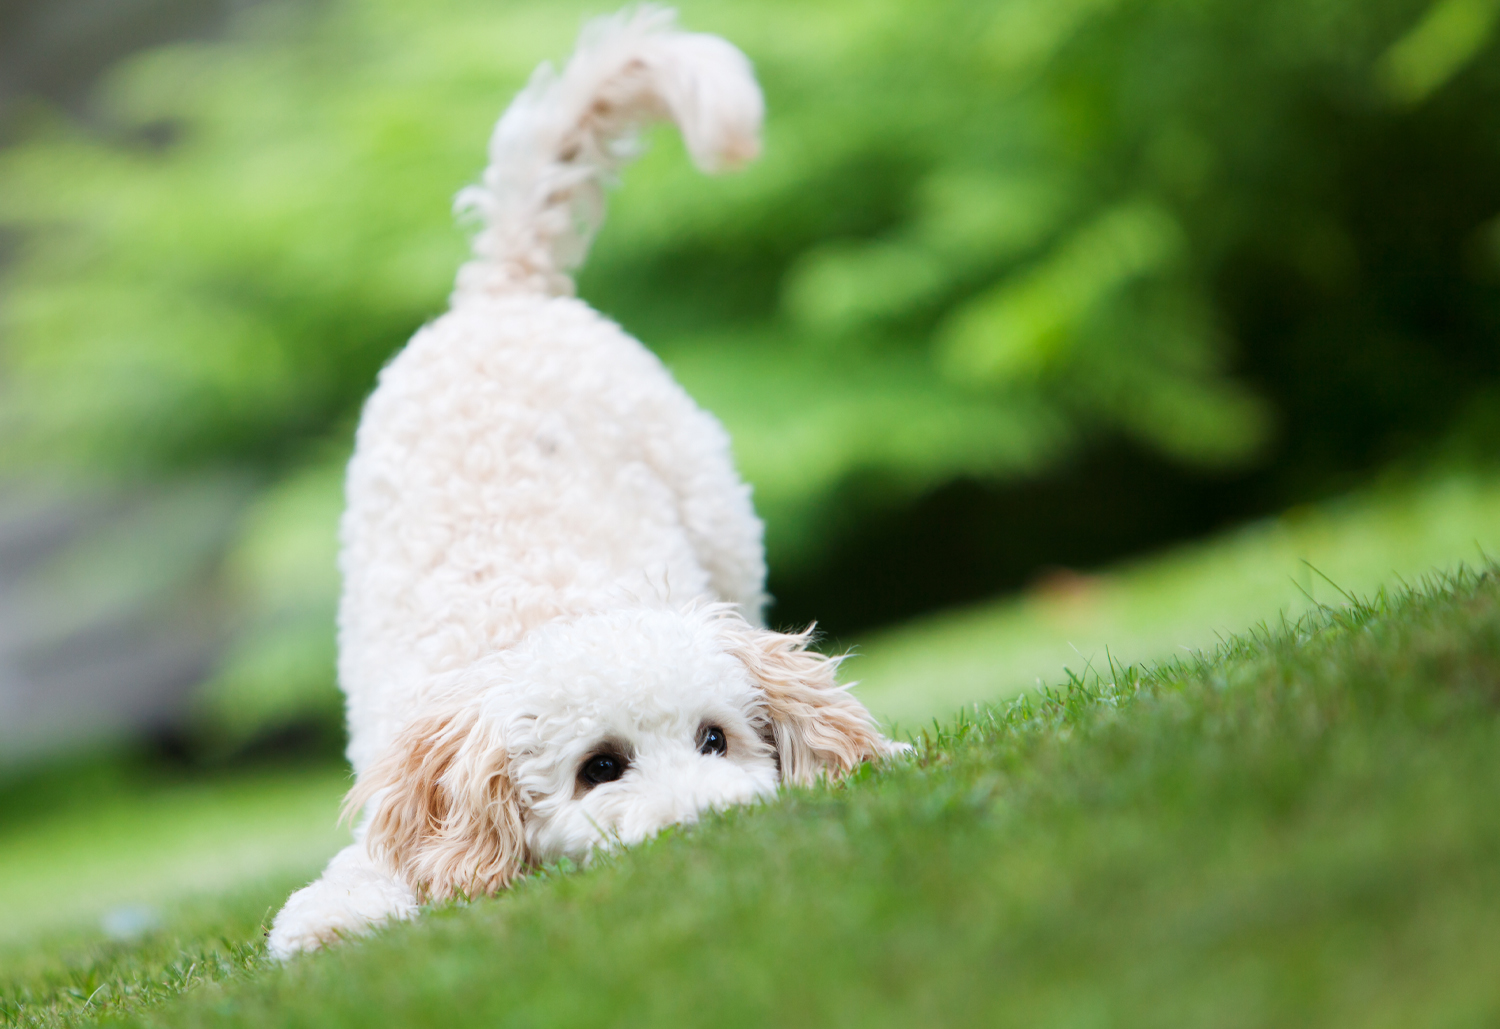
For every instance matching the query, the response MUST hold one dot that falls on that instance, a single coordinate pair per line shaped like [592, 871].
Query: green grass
[126, 837]
[926, 892]
[1297, 830]
[76, 976]
[196, 862]
[1185, 599]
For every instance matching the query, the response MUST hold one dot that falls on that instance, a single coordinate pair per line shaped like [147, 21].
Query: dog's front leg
[353, 896]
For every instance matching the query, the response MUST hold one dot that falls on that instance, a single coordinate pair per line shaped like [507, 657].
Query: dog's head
[603, 730]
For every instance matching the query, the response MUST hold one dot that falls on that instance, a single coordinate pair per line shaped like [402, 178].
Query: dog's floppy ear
[818, 727]
[442, 810]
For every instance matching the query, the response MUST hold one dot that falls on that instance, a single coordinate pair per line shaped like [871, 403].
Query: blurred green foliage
[1241, 234]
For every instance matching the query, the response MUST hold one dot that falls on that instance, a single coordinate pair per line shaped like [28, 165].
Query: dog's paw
[301, 926]
[351, 898]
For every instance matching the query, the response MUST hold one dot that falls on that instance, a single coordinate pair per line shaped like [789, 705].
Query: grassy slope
[1185, 599]
[212, 858]
[65, 868]
[206, 858]
[1300, 830]
[147, 842]
[75, 976]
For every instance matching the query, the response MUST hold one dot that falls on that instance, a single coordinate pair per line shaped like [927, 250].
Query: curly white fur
[547, 553]
[559, 142]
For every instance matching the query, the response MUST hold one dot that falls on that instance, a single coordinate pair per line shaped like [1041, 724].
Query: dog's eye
[711, 740]
[602, 768]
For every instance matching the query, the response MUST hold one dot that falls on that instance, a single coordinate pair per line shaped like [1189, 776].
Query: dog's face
[621, 724]
[603, 730]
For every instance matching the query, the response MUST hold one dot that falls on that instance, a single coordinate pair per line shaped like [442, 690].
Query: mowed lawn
[1297, 830]
[1292, 831]
[129, 838]
[1186, 599]
[123, 883]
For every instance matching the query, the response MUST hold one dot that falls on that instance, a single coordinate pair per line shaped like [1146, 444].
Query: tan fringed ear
[819, 728]
[443, 812]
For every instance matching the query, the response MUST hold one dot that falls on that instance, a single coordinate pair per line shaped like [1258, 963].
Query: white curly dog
[550, 630]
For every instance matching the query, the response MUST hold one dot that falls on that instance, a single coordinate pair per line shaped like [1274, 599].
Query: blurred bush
[1254, 237]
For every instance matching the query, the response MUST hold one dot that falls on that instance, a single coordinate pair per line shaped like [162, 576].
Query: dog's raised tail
[565, 135]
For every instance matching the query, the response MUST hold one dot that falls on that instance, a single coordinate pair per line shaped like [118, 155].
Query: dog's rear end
[550, 564]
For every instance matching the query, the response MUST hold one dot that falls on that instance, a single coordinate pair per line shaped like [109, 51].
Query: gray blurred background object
[108, 616]
[57, 49]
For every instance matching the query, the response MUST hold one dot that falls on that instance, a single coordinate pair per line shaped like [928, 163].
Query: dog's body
[524, 461]
[552, 573]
